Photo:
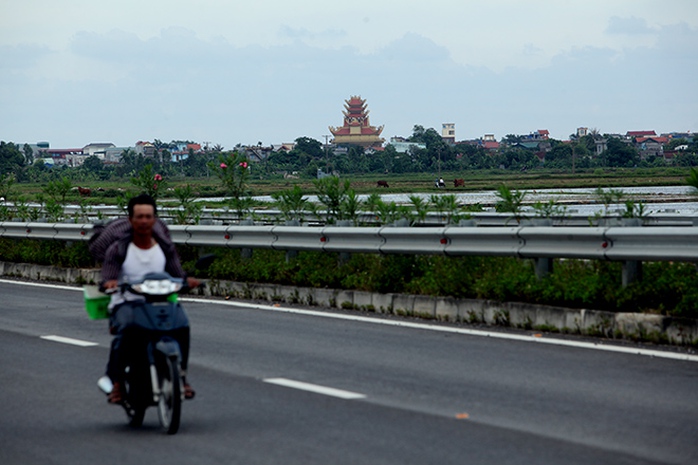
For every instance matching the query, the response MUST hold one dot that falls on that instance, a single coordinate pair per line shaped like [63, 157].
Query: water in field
[583, 201]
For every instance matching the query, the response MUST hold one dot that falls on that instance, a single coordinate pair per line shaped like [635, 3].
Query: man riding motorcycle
[141, 247]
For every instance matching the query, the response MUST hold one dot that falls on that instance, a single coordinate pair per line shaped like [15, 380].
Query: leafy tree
[198, 164]
[291, 202]
[189, 211]
[559, 156]
[371, 202]
[350, 206]
[6, 183]
[673, 143]
[608, 198]
[511, 139]
[233, 171]
[92, 164]
[309, 146]
[11, 159]
[429, 136]
[131, 163]
[388, 213]
[151, 184]
[447, 207]
[421, 208]
[57, 192]
[549, 209]
[619, 154]
[28, 154]
[510, 202]
[686, 159]
[519, 159]
[332, 193]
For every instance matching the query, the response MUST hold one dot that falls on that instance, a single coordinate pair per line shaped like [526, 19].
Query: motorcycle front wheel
[170, 402]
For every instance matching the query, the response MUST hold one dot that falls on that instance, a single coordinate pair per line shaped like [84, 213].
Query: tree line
[310, 155]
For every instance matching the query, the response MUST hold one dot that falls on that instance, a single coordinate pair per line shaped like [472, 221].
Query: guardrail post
[344, 257]
[632, 270]
[291, 254]
[246, 252]
[543, 265]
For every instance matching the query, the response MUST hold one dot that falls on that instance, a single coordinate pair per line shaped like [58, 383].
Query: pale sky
[227, 72]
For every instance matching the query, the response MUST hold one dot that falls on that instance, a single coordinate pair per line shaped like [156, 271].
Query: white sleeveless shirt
[138, 263]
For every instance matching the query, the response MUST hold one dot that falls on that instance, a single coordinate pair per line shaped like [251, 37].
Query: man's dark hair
[143, 199]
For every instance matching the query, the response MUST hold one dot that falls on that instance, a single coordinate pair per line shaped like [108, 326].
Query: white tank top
[138, 263]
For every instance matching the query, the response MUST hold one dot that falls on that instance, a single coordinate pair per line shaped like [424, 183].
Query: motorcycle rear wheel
[170, 402]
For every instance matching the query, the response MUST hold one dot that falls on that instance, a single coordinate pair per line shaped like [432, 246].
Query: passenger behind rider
[133, 248]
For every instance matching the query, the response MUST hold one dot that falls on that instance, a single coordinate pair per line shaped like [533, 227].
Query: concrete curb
[597, 323]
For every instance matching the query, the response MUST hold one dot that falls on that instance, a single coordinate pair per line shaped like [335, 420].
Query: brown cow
[84, 191]
[458, 182]
[382, 184]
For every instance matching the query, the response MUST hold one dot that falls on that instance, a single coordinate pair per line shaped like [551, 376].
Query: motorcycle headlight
[157, 287]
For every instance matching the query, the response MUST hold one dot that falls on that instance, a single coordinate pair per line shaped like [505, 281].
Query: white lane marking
[327, 391]
[469, 332]
[68, 340]
[50, 286]
[407, 324]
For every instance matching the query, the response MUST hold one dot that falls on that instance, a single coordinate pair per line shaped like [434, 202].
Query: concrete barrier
[589, 322]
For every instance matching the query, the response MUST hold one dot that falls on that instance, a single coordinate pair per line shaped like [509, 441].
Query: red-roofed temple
[357, 130]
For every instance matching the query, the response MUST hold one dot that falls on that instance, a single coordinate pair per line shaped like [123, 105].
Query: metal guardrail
[490, 219]
[631, 243]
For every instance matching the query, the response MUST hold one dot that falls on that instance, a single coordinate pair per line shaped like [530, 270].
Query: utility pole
[326, 136]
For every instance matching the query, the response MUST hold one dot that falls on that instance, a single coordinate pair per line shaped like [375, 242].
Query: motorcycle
[152, 354]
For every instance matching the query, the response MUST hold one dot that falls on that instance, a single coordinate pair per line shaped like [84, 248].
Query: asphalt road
[407, 395]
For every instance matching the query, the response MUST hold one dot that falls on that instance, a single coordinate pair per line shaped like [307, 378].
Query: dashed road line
[69, 340]
[316, 388]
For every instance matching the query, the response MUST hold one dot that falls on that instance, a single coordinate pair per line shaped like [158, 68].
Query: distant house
[97, 149]
[601, 146]
[145, 148]
[448, 133]
[529, 145]
[257, 152]
[68, 157]
[401, 145]
[650, 146]
[635, 134]
[113, 154]
[285, 147]
[490, 145]
[541, 134]
[181, 151]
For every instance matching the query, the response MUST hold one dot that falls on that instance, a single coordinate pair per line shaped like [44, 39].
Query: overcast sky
[227, 72]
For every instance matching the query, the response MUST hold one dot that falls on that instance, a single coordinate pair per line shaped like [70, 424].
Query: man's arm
[111, 265]
[108, 234]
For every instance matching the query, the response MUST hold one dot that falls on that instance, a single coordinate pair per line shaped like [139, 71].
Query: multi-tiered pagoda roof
[357, 129]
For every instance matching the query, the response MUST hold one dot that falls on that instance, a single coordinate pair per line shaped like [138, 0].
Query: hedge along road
[281, 387]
